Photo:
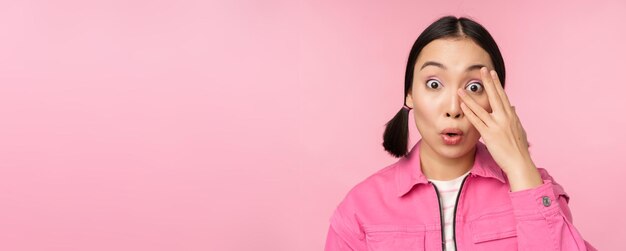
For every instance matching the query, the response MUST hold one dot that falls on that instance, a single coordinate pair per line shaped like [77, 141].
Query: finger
[475, 107]
[471, 116]
[521, 127]
[498, 86]
[492, 94]
[526, 138]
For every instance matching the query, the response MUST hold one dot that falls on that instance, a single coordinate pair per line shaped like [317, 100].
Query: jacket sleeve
[344, 232]
[544, 220]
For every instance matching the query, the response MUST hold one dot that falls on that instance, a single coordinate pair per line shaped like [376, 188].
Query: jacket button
[546, 201]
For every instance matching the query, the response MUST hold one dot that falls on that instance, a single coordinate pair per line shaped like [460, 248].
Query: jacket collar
[409, 171]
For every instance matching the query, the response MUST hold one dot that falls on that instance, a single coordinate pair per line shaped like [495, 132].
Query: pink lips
[452, 130]
[451, 136]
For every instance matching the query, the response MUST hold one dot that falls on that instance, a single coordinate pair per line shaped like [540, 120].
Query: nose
[453, 115]
[454, 110]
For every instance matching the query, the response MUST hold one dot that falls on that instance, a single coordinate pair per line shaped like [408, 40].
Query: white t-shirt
[448, 191]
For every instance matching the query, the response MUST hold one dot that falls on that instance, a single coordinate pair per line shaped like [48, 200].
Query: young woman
[451, 191]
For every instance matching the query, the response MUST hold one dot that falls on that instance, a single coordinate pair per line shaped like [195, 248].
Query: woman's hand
[502, 133]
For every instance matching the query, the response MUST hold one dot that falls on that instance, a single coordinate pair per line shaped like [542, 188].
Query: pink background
[240, 125]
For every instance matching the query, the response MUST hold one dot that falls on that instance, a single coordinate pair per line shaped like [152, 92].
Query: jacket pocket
[495, 231]
[394, 237]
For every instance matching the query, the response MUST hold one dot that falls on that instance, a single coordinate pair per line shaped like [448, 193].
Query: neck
[437, 167]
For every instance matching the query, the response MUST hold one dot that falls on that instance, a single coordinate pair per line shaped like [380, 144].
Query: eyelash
[481, 85]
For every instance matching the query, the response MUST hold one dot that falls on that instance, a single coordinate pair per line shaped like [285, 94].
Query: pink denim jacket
[397, 208]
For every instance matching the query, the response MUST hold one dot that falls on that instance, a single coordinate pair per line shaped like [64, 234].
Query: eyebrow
[440, 65]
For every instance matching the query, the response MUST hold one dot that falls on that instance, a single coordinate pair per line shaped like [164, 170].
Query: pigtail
[396, 136]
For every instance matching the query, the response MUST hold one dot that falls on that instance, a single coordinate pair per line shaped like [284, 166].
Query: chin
[454, 152]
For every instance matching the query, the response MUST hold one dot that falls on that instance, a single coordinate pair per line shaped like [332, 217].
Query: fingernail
[461, 92]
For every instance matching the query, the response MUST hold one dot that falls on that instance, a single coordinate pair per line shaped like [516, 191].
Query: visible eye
[433, 83]
[475, 87]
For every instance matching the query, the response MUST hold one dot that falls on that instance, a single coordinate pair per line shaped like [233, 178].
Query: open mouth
[452, 136]
[451, 131]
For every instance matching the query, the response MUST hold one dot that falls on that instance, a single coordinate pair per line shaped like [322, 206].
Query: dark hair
[396, 136]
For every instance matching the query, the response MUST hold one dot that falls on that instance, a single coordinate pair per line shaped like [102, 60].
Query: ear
[408, 101]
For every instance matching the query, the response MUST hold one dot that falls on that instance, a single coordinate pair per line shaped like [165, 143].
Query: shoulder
[365, 194]
[378, 185]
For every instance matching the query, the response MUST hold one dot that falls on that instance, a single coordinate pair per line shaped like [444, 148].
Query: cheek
[424, 113]
[483, 101]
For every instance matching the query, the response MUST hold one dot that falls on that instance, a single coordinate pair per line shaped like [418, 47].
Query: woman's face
[444, 66]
